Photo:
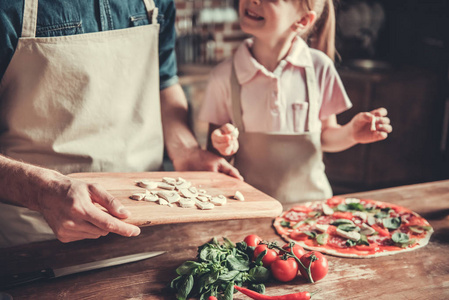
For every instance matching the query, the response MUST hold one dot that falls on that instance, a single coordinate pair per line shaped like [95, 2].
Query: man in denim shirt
[82, 91]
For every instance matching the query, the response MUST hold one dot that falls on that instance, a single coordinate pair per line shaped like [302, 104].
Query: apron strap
[29, 22]
[312, 92]
[152, 11]
[236, 102]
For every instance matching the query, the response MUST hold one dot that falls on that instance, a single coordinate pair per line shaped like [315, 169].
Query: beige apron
[288, 167]
[87, 102]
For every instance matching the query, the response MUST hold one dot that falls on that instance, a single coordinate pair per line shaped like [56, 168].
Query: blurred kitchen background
[394, 54]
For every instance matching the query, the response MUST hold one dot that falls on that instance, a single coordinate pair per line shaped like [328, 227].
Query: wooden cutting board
[123, 185]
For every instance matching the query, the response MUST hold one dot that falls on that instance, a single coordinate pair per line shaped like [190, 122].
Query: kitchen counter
[420, 274]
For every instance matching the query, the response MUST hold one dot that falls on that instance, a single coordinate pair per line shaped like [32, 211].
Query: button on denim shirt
[63, 17]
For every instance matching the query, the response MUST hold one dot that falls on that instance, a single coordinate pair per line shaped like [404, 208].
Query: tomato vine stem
[292, 254]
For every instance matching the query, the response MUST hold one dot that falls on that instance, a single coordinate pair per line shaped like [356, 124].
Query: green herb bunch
[218, 269]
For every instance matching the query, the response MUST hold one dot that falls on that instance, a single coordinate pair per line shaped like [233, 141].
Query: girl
[283, 97]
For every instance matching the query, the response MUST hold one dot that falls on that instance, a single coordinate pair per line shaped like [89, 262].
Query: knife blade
[12, 280]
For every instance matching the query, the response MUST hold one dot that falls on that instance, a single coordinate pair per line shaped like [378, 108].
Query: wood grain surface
[420, 274]
[143, 213]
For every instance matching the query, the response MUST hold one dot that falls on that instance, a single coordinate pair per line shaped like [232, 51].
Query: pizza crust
[284, 233]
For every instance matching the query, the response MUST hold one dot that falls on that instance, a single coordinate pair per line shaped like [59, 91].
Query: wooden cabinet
[411, 152]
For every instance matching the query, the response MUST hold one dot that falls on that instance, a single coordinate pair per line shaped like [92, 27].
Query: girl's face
[269, 18]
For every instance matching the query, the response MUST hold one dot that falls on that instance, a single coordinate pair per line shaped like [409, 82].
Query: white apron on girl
[87, 102]
[288, 167]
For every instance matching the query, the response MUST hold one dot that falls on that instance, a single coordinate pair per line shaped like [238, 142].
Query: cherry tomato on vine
[319, 265]
[284, 269]
[297, 250]
[252, 240]
[269, 258]
[212, 298]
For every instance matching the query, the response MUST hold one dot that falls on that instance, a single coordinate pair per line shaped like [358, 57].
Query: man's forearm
[180, 142]
[179, 137]
[21, 183]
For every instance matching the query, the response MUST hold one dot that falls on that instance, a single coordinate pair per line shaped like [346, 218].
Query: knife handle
[7, 281]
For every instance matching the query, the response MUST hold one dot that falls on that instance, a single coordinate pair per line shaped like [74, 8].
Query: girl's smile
[252, 15]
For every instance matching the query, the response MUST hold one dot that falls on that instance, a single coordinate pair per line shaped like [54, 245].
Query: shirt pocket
[66, 28]
[300, 116]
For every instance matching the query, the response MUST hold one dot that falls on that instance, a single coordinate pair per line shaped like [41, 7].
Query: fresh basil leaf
[350, 243]
[400, 238]
[228, 244]
[213, 242]
[242, 256]
[258, 261]
[314, 214]
[381, 215]
[386, 210]
[241, 277]
[322, 238]
[211, 278]
[341, 221]
[200, 288]
[355, 206]
[184, 288]
[285, 223]
[209, 254]
[259, 274]
[392, 223]
[259, 288]
[229, 292]
[306, 221]
[187, 267]
[211, 292]
[174, 283]
[312, 234]
[229, 275]
[236, 264]
[363, 240]
[347, 227]
[242, 246]
[342, 207]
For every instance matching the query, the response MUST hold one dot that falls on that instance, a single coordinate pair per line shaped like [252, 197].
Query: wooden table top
[420, 274]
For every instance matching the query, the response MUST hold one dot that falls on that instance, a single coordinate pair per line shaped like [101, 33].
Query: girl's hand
[224, 139]
[369, 127]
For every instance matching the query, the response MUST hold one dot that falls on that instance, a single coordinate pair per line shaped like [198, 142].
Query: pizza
[352, 227]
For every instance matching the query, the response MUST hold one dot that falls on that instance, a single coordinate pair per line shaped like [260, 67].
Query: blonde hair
[322, 35]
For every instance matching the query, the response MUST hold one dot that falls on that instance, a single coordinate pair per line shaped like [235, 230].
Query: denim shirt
[62, 17]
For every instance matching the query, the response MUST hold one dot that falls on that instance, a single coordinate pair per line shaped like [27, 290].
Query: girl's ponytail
[323, 35]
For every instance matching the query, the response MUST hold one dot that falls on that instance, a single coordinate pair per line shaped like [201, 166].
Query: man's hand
[202, 160]
[75, 210]
[225, 139]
